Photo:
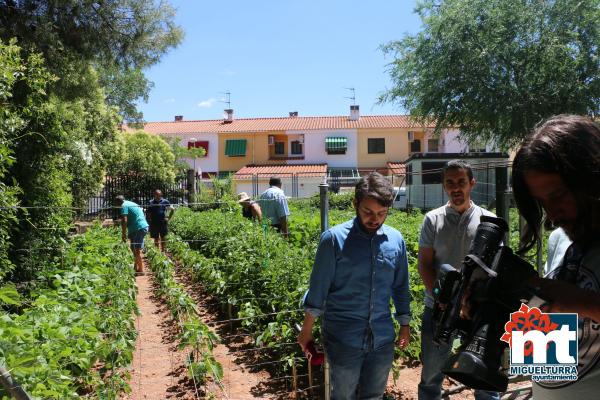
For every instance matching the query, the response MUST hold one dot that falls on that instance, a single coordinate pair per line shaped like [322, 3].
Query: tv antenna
[227, 99]
[353, 98]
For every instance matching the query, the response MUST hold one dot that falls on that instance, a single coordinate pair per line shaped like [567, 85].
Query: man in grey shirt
[446, 237]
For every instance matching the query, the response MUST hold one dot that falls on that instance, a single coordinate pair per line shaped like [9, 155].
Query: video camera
[489, 286]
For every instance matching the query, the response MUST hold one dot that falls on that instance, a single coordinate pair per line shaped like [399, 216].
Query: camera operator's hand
[403, 336]
[567, 298]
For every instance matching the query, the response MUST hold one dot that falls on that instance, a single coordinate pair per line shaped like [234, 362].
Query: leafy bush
[76, 333]
[264, 276]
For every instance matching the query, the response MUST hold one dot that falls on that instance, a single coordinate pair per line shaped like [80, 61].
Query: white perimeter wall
[307, 186]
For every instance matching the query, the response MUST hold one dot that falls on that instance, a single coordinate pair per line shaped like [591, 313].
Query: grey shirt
[449, 234]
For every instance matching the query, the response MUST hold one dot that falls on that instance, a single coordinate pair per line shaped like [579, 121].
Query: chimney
[293, 114]
[178, 118]
[354, 113]
[228, 116]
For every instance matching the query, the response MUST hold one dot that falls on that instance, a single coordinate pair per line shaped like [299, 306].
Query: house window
[296, 147]
[432, 172]
[409, 176]
[199, 144]
[235, 148]
[376, 146]
[279, 148]
[433, 145]
[415, 146]
[336, 145]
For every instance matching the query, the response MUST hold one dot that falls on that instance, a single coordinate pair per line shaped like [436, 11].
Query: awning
[235, 147]
[336, 143]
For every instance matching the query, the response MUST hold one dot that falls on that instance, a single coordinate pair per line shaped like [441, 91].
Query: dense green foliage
[118, 38]
[265, 276]
[56, 150]
[76, 332]
[67, 69]
[260, 273]
[145, 156]
[496, 68]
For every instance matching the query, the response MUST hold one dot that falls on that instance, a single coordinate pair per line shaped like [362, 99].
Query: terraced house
[302, 150]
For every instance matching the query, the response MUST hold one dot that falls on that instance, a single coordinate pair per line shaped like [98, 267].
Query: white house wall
[314, 148]
[204, 164]
[452, 142]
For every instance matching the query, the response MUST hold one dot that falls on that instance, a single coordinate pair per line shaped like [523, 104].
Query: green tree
[144, 155]
[119, 38]
[10, 70]
[181, 153]
[56, 152]
[495, 68]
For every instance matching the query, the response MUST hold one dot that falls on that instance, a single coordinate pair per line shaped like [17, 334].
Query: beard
[366, 228]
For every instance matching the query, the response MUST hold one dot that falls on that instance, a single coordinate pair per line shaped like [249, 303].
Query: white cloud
[171, 100]
[207, 103]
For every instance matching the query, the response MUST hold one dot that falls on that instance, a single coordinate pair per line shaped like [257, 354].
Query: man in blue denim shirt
[360, 265]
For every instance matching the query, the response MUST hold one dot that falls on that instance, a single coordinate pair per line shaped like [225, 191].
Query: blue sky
[276, 56]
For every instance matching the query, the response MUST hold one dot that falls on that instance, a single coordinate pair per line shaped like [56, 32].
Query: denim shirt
[353, 278]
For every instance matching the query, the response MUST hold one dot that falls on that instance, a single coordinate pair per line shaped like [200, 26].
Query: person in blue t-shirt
[134, 227]
[158, 219]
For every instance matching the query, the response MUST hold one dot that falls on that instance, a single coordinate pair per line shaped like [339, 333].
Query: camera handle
[482, 265]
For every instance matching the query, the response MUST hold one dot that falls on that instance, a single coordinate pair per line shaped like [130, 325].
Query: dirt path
[241, 381]
[158, 368]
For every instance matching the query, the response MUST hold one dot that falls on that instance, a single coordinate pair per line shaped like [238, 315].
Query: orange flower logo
[525, 320]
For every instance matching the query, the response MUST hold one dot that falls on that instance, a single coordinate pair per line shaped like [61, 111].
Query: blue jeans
[358, 373]
[433, 358]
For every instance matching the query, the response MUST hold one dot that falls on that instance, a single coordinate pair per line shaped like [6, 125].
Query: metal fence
[134, 188]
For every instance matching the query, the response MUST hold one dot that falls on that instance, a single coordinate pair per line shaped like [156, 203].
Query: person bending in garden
[134, 226]
[359, 266]
[250, 209]
[158, 219]
[274, 206]
[445, 238]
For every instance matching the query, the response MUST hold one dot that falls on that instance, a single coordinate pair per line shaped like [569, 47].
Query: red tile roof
[305, 170]
[397, 168]
[280, 124]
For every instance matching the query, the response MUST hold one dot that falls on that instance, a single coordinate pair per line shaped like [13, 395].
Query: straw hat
[243, 197]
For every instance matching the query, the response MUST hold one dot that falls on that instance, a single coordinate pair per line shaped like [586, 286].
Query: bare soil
[158, 368]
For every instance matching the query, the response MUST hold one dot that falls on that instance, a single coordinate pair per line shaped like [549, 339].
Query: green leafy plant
[75, 334]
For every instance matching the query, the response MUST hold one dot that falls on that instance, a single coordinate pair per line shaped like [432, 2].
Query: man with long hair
[556, 177]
